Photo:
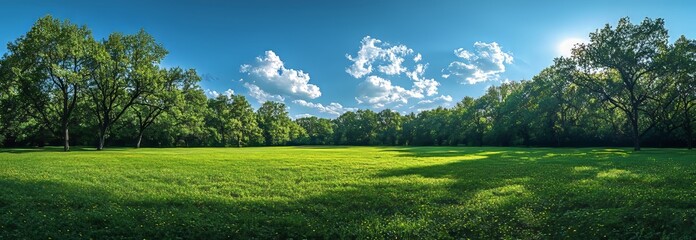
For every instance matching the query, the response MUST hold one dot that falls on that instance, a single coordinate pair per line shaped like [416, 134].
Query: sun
[566, 46]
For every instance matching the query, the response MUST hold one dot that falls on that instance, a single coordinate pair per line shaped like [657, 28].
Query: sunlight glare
[566, 46]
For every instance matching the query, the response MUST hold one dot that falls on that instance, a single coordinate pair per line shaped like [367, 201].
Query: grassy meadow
[348, 192]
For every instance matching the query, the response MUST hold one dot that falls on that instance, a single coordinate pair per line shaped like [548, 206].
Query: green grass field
[348, 192]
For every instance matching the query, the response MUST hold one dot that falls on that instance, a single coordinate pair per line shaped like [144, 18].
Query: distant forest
[629, 86]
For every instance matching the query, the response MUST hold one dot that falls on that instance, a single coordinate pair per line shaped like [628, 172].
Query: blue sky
[326, 57]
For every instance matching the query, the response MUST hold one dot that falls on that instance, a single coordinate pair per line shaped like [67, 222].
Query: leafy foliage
[627, 86]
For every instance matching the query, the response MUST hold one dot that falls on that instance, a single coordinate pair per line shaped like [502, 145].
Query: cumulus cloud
[213, 94]
[260, 95]
[332, 108]
[304, 115]
[229, 92]
[269, 74]
[486, 62]
[422, 85]
[427, 104]
[388, 59]
[417, 58]
[378, 92]
[446, 98]
[377, 89]
[441, 98]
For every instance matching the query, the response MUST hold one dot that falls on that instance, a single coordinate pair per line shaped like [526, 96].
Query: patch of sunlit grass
[584, 168]
[617, 174]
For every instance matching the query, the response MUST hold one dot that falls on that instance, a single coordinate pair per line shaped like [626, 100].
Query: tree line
[629, 86]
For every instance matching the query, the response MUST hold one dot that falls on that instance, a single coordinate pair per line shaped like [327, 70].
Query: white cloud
[260, 95]
[229, 92]
[441, 99]
[427, 86]
[422, 85]
[445, 98]
[394, 58]
[368, 53]
[485, 63]
[304, 115]
[332, 108]
[270, 74]
[377, 89]
[417, 58]
[213, 94]
[427, 104]
[378, 92]
[388, 59]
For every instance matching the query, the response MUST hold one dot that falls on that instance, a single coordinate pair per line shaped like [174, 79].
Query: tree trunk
[634, 128]
[102, 139]
[66, 138]
[688, 129]
[140, 139]
[636, 136]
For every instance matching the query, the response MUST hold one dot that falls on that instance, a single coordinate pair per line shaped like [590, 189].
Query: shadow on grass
[427, 152]
[45, 209]
[509, 193]
[59, 149]
[577, 193]
[323, 146]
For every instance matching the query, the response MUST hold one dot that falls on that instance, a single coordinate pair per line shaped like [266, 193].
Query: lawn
[348, 192]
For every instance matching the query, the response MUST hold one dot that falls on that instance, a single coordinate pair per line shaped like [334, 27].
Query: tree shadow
[562, 193]
[50, 149]
[59, 210]
[324, 146]
[549, 194]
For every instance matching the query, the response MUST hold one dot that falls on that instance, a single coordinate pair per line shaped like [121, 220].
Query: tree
[319, 130]
[408, 129]
[620, 65]
[344, 132]
[274, 121]
[388, 127]
[518, 115]
[166, 88]
[126, 70]
[52, 65]
[356, 128]
[188, 112]
[218, 117]
[298, 135]
[366, 123]
[462, 121]
[181, 124]
[245, 129]
[683, 71]
[555, 103]
[487, 114]
[432, 127]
